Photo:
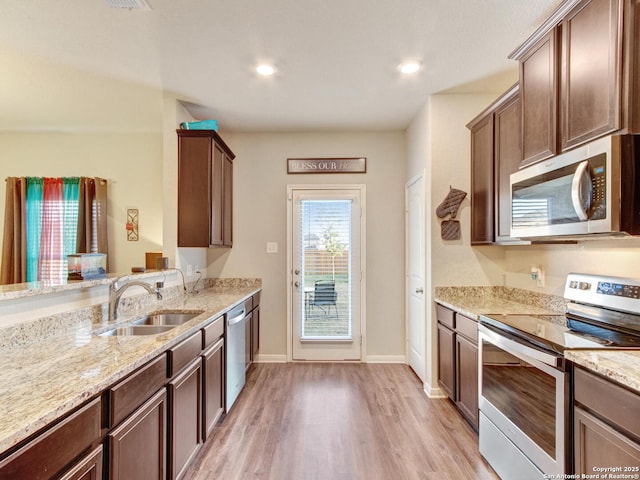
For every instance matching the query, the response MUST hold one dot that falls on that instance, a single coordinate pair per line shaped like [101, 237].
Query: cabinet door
[88, 467]
[217, 196]
[227, 233]
[53, 451]
[137, 446]
[591, 71]
[482, 181]
[467, 379]
[213, 386]
[194, 173]
[446, 351]
[599, 445]
[247, 340]
[255, 333]
[538, 93]
[185, 421]
[507, 158]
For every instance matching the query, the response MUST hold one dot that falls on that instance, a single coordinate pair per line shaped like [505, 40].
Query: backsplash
[91, 318]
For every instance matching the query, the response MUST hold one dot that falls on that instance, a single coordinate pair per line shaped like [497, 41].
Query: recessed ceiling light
[265, 70]
[409, 67]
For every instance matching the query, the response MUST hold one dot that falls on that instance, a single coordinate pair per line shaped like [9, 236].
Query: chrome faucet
[115, 293]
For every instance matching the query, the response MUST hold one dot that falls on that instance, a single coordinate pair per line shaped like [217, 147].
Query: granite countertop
[622, 366]
[476, 301]
[43, 380]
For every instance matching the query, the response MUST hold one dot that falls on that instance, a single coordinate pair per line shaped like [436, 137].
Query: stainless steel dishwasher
[235, 352]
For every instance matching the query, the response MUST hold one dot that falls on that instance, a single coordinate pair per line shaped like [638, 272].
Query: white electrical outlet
[189, 270]
[272, 247]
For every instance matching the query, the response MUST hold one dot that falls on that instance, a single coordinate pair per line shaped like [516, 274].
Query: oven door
[523, 405]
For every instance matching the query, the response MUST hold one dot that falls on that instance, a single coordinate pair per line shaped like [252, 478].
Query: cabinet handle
[420, 290]
[296, 284]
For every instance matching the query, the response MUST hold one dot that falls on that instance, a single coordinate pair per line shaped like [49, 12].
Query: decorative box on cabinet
[458, 361]
[205, 190]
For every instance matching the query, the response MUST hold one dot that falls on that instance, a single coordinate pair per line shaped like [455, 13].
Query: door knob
[296, 284]
[296, 271]
[420, 290]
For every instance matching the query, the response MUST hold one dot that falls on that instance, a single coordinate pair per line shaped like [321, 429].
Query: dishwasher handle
[237, 318]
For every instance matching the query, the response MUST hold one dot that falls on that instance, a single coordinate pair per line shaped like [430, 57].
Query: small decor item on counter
[138, 269]
[86, 266]
[162, 263]
[200, 125]
[151, 258]
[450, 229]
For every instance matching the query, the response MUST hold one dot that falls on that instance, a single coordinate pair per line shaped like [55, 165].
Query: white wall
[260, 207]
[66, 122]
[132, 163]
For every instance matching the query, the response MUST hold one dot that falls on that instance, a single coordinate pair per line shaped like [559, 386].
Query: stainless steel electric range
[524, 380]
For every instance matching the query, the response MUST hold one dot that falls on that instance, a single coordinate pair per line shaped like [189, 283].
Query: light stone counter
[43, 380]
[475, 301]
[622, 366]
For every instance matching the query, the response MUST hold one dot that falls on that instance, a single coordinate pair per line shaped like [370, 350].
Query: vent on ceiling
[130, 4]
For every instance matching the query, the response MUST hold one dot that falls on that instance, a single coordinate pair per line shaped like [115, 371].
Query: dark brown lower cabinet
[58, 448]
[213, 386]
[467, 378]
[606, 420]
[185, 421]
[446, 349]
[458, 361]
[137, 447]
[255, 330]
[88, 467]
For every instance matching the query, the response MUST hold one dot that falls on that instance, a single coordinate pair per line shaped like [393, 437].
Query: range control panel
[609, 292]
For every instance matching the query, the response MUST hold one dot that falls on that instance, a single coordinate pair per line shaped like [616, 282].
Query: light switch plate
[272, 247]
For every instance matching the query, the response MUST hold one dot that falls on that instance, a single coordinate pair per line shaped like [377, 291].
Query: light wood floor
[339, 422]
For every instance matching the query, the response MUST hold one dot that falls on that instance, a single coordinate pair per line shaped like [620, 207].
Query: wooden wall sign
[327, 165]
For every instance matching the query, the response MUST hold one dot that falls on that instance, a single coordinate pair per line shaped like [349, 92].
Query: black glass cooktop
[558, 332]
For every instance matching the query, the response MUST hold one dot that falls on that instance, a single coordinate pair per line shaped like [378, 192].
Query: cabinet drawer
[130, 393]
[608, 400]
[212, 332]
[256, 299]
[183, 353]
[445, 316]
[467, 326]
[57, 447]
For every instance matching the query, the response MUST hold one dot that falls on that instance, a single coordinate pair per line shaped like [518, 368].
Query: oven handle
[518, 348]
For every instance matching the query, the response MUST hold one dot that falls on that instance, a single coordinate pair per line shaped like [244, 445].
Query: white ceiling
[336, 60]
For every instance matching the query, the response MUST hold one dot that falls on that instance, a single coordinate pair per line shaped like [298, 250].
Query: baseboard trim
[386, 359]
[270, 358]
[432, 392]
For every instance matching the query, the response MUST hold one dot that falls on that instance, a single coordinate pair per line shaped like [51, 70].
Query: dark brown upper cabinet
[495, 155]
[578, 77]
[205, 190]
[538, 81]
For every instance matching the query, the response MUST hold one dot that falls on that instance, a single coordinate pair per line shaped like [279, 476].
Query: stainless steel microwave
[591, 190]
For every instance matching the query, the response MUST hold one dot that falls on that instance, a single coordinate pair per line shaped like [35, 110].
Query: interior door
[415, 276]
[326, 276]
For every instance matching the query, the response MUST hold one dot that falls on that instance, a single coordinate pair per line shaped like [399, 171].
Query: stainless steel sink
[138, 330]
[167, 318]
